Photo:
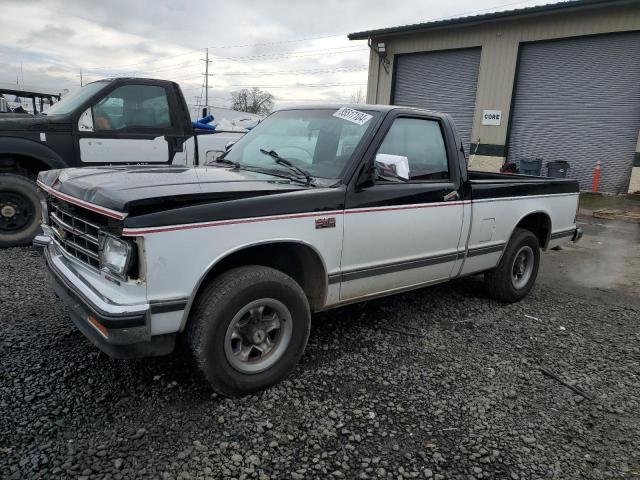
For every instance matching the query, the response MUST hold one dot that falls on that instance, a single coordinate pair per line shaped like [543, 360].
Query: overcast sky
[271, 44]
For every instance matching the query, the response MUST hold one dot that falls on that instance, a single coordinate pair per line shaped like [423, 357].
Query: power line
[167, 68]
[303, 53]
[190, 52]
[307, 53]
[356, 68]
[281, 42]
[119, 67]
[351, 69]
[183, 65]
[296, 85]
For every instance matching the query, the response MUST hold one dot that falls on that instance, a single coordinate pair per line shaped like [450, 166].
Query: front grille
[75, 234]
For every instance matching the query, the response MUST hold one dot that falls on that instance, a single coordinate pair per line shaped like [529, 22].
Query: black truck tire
[516, 273]
[248, 329]
[20, 210]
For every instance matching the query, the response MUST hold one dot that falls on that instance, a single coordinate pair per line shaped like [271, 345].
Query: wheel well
[539, 224]
[22, 165]
[299, 261]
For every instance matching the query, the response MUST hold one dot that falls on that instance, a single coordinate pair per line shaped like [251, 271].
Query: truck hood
[145, 189]
[29, 123]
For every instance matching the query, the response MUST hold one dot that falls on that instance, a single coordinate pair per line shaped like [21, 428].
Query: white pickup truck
[313, 209]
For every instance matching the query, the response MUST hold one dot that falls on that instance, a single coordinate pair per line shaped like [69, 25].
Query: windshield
[315, 141]
[73, 100]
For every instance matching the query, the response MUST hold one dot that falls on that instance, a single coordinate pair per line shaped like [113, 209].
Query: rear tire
[516, 273]
[248, 329]
[20, 210]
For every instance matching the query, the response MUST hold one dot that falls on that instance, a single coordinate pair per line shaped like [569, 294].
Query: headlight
[115, 255]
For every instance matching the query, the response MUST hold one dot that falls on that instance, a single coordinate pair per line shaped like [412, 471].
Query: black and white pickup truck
[313, 209]
[114, 121]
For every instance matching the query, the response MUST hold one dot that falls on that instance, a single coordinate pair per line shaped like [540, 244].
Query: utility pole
[206, 81]
[206, 84]
[81, 77]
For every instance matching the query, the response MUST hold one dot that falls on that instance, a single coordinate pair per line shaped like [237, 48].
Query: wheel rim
[522, 267]
[258, 335]
[16, 212]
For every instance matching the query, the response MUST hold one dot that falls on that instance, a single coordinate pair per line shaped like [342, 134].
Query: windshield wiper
[283, 161]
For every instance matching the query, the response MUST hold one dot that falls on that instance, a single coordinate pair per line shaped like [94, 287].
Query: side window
[421, 141]
[131, 107]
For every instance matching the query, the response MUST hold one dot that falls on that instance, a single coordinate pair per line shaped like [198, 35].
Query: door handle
[454, 195]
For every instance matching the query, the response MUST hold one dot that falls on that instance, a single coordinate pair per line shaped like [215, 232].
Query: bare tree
[358, 96]
[252, 100]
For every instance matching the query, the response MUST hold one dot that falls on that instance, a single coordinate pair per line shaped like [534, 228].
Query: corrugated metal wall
[499, 42]
[444, 81]
[578, 100]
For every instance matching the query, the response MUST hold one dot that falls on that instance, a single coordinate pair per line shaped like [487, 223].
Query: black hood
[146, 189]
[30, 123]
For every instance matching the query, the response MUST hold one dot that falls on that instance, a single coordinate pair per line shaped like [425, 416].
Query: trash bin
[531, 166]
[557, 169]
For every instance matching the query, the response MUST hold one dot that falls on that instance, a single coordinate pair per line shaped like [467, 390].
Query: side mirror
[85, 122]
[228, 146]
[392, 167]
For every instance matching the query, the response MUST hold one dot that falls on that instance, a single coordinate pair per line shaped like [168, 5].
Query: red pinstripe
[81, 203]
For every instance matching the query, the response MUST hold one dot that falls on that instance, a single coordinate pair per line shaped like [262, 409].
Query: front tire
[20, 210]
[248, 329]
[516, 273]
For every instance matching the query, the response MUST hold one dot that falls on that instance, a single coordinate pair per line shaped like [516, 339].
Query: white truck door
[399, 234]
[130, 124]
[212, 145]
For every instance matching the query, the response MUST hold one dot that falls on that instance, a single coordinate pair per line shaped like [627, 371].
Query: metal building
[552, 82]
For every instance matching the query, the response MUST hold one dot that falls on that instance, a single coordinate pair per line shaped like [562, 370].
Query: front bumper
[121, 331]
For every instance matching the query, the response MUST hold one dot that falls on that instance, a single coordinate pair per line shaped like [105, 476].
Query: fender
[30, 148]
[546, 214]
[221, 257]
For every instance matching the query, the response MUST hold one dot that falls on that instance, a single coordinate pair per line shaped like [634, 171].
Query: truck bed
[491, 185]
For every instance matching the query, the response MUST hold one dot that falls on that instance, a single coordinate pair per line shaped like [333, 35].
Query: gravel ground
[438, 383]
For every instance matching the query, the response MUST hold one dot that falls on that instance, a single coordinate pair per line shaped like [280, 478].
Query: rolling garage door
[579, 100]
[444, 81]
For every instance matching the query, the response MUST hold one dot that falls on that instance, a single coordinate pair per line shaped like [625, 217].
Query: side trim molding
[357, 274]
[485, 250]
[397, 267]
[563, 233]
[165, 306]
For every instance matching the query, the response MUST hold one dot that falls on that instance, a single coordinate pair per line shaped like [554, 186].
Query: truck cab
[117, 121]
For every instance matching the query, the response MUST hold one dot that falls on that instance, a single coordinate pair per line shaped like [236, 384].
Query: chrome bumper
[121, 331]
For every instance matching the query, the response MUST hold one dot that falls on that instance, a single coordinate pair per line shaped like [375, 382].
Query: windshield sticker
[353, 116]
